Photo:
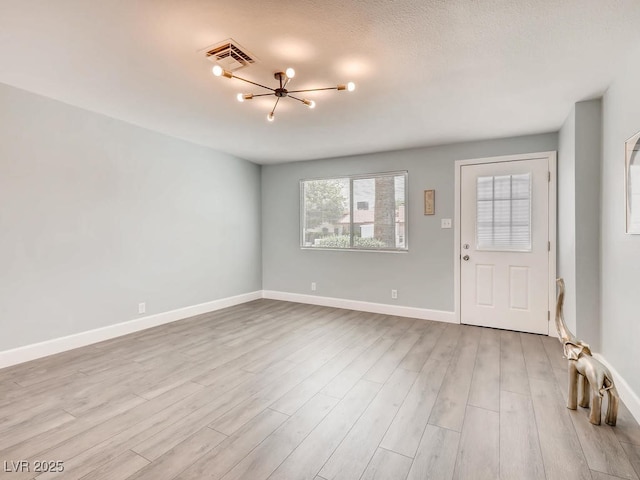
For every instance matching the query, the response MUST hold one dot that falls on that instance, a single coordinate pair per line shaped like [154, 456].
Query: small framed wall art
[632, 183]
[429, 202]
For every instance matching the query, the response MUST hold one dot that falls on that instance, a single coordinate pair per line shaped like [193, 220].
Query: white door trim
[552, 159]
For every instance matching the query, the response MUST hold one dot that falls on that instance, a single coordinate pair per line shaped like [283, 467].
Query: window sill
[365, 250]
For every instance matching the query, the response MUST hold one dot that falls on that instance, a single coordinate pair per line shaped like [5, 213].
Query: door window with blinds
[363, 212]
[503, 220]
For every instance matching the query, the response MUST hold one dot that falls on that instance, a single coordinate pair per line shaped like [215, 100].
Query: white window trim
[351, 179]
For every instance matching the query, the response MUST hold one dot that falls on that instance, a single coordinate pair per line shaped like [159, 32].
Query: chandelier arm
[263, 95]
[253, 83]
[313, 90]
[274, 107]
[296, 98]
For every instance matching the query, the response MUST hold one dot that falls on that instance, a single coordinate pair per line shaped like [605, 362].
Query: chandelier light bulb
[217, 70]
[351, 86]
[240, 97]
[270, 117]
[290, 73]
[309, 103]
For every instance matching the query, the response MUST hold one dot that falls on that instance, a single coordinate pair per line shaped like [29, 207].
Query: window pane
[326, 213]
[500, 236]
[485, 188]
[503, 212]
[485, 211]
[400, 212]
[521, 185]
[502, 187]
[381, 225]
[521, 213]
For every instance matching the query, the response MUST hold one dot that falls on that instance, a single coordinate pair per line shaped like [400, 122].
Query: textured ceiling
[427, 71]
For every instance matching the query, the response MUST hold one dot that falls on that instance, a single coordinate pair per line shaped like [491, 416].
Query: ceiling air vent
[229, 55]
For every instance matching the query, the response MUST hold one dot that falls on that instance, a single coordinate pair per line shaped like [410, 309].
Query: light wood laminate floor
[277, 390]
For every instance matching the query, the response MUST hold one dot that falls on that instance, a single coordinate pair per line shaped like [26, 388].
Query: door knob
[466, 258]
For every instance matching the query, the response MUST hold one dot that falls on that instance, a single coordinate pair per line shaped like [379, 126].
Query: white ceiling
[427, 71]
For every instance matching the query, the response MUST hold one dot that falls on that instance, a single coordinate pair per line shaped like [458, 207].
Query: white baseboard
[627, 395]
[82, 339]
[62, 344]
[58, 345]
[398, 310]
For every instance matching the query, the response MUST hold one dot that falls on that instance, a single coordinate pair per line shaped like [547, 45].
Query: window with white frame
[503, 219]
[359, 212]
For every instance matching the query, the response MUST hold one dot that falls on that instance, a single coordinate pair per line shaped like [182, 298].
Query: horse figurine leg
[595, 415]
[585, 391]
[612, 407]
[574, 378]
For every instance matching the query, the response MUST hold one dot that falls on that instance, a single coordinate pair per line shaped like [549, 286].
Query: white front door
[504, 245]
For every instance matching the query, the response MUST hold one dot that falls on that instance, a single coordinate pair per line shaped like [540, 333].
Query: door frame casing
[551, 157]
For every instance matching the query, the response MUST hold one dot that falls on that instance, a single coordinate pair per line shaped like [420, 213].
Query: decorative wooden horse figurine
[583, 368]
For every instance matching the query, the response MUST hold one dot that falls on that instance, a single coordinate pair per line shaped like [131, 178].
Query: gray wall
[620, 253]
[97, 215]
[587, 220]
[424, 275]
[566, 253]
[579, 162]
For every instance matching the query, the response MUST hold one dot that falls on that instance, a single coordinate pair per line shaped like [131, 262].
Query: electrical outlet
[394, 294]
[142, 307]
[313, 286]
[445, 223]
